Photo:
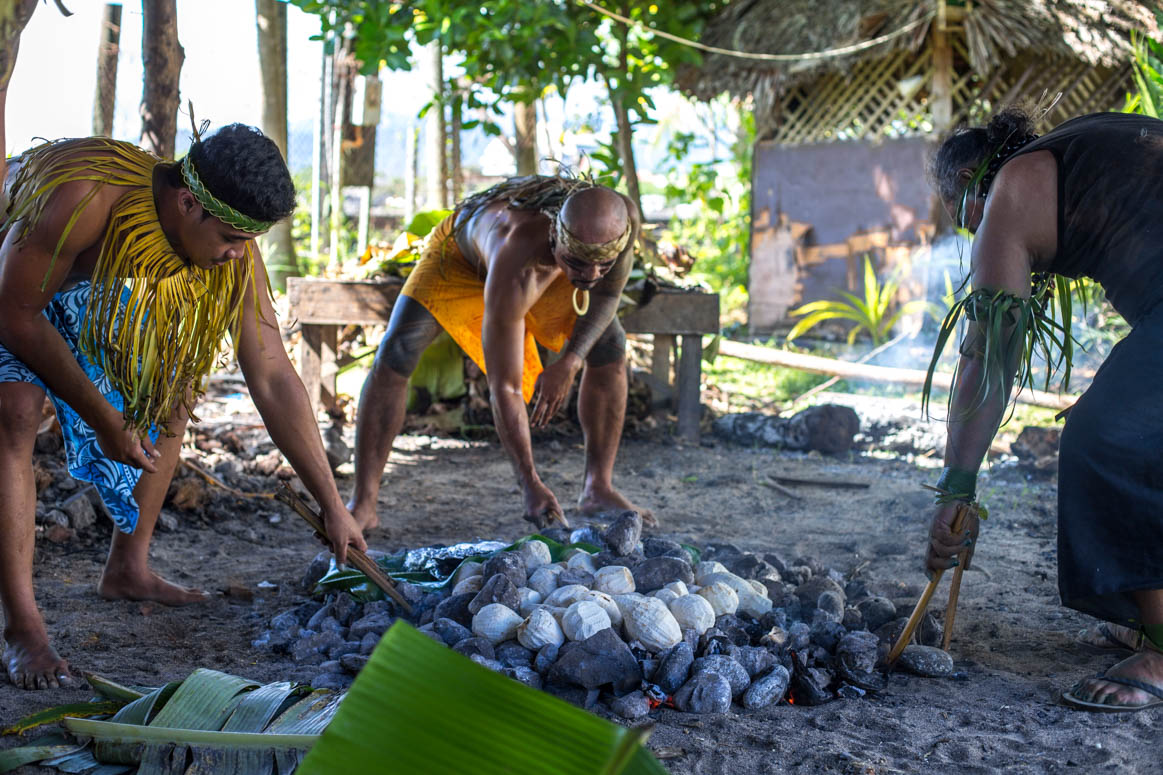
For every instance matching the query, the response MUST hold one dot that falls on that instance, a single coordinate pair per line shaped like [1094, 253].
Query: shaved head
[595, 215]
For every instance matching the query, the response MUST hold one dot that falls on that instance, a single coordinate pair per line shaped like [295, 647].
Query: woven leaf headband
[595, 254]
[216, 206]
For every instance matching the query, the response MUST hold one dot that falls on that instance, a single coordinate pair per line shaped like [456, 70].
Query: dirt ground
[1013, 641]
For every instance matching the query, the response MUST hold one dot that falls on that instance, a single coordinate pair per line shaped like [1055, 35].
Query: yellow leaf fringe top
[155, 323]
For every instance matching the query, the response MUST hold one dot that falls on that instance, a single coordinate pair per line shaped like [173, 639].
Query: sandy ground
[1013, 640]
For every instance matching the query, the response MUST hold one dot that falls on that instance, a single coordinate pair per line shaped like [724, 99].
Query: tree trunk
[271, 18]
[342, 76]
[411, 163]
[455, 120]
[437, 135]
[162, 56]
[107, 54]
[525, 124]
[622, 116]
[14, 15]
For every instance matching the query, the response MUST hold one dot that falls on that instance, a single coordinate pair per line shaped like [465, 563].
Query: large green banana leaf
[418, 707]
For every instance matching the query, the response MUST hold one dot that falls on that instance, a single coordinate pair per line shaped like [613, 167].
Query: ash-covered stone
[353, 663]
[734, 628]
[316, 570]
[657, 572]
[853, 620]
[603, 658]
[753, 659]
[929, 631]
[926, 661]
[333, 681]
[749, 566]
[343, 607]
[589, 534]
[474, 645]
[545, 658]
[511, 564]
[714, 641]
[857, 653]
[632, 706]
[809, 591]
[653, 546]
[723, 665]
[376, 624]
[431, 633]
[513, 654]
[877, 612]
[704, 693]
[767, 689]
[456, 609]
[675, 667]
[498, 589]
[831, 605]
[483, 661]
[799, 636]
[524, 674]
[368, 643]
[623, 533]
[559, 534]
[450, 631]
[575, 576]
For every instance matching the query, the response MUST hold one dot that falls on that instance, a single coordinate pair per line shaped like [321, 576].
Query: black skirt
[1110, 481]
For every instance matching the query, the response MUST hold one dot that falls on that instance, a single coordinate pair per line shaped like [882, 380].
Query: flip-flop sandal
[1112, 641]
[1071, 699]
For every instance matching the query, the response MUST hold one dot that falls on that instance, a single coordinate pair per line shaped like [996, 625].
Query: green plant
[872, 314]
[1147, 70]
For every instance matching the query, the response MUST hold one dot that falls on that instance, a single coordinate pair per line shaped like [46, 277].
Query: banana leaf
[419, 707]
[46, 748]
[60, 712]
[431, 568]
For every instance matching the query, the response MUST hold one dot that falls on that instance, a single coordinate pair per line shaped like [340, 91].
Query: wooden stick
[358, 558]
[781, 489]
[919, 610]
[951, 608]
[821, 482]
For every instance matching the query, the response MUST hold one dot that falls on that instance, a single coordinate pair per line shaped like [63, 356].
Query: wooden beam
[857, 371]
[315, 301]
[675, 312]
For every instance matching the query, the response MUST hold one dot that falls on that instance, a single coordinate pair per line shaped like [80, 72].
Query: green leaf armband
[957, 484]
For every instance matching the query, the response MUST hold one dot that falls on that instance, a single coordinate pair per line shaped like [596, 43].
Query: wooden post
[689, 389]
[942, 87]
[317, 365]
[271, 20]
[107, 55]
[660, 361]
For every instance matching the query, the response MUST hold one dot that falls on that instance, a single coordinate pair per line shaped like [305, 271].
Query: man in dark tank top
[1085, 200]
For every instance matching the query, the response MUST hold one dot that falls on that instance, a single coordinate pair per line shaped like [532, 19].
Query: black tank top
[1110, 205]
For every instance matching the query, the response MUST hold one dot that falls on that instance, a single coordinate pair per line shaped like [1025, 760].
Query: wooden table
[675, 319]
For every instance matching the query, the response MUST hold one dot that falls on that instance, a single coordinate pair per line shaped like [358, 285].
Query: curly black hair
[966, 147]
[245, 169]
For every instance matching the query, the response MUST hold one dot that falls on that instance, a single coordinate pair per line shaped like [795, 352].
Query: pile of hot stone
[637, 624]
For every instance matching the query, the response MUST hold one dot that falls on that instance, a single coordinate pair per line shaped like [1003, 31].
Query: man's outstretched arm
[281, 400]
[503, 341]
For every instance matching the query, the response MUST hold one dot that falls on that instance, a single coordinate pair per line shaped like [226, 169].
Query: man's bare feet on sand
[595, 501]
[151, 587]
[365, 517]
[31, 663]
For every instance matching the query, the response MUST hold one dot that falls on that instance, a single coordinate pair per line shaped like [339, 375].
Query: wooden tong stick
[951, 610]
[358, 558]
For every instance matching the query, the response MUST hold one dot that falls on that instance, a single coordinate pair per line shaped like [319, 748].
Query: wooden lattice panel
[870, 101]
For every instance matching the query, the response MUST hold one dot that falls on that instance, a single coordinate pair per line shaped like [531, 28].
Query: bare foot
[152, 587]
[1108, 636]
[365, 516]
[595, 500]
[32, 663]
[1145, 666]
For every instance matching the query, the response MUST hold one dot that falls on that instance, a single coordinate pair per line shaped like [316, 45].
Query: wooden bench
[675, 319]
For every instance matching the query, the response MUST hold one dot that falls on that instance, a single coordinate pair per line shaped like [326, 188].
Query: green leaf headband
[216, 206]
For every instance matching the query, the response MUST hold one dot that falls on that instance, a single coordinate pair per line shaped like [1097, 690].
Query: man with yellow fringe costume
[531, 260]
[120, 277]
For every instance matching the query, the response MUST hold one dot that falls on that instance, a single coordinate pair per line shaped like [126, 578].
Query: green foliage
[872, 314]
[440, 371]
[719, 235]
[1147, 70]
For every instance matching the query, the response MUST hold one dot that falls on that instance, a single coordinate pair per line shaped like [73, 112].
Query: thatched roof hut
[848, 94]
[999, 49]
